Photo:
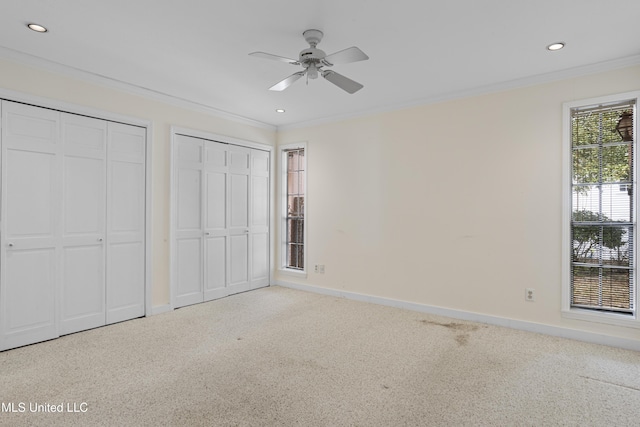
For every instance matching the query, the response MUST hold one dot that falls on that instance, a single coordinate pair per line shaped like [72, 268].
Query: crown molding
[102, 80]
[538, 79]
[95, 78]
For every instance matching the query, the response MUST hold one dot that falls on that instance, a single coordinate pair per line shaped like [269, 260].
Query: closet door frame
[66, 107]
[177, 130]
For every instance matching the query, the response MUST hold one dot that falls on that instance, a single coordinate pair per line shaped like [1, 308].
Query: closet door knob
[100, 239]
[10, 244]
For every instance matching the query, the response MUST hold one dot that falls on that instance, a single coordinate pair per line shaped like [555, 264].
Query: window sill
[608, 318]
[293, 273]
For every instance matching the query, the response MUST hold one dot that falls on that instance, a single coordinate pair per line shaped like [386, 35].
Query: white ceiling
[419, 50]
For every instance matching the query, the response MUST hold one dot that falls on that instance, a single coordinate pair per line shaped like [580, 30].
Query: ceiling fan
[313, 60]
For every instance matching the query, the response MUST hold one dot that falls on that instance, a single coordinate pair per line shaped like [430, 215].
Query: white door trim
[67, 107]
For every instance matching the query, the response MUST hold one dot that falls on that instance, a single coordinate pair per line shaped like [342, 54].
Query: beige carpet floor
[282, 357]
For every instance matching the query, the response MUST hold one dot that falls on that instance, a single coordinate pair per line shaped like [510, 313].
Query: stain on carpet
[462, 339]
[455, 326]
[462, 329]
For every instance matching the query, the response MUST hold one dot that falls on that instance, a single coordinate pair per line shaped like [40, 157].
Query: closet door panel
[28, 297]
[188, 251]
[189, 210]
[259, 219]
[126, 207]
[215, 267]
[239, 201]
[82, 288]
[30, 128]
[239, 249]
[238, 228]
[260, 202]
[126, 278]
[215, 222]
[30, 238]
[260, 260]
[239, 160]
[125, 222]
[30, 194]
[189, 270]
[84, 196]
[216, 191]
[83, 223]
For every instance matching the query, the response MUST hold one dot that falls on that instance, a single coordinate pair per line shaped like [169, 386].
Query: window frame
[585, 314]
[282, 205]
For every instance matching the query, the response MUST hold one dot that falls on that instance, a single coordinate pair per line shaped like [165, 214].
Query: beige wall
[32, 81]
[456, 204]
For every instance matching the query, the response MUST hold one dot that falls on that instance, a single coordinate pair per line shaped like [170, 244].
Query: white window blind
[602, 209]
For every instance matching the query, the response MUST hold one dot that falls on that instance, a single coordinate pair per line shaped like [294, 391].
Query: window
[601, 204]
[293, 173]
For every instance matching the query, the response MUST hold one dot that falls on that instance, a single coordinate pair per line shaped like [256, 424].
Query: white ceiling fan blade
[341, 81]
[274, 57]
[351, 54]
[287, 82]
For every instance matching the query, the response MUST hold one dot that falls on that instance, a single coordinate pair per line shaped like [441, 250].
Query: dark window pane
[292, 258]
[295, 231]
[295, 206]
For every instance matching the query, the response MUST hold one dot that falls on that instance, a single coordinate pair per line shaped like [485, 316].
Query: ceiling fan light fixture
[37, 28]
[555, 46]
[312, 71]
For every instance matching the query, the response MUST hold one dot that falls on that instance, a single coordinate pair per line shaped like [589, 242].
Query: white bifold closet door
[125, 236]
[30, 238]
[259, 219]
[221, 219]
[83, 223]
[72, 241]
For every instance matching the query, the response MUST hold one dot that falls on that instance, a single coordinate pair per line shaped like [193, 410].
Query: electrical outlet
[530, 294]
[316, 269]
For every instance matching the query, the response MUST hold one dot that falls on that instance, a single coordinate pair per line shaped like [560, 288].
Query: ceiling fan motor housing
[310, 55]
[311, 58]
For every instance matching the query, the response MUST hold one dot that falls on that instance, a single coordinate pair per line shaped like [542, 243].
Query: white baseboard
[159, 309]
[540, 328]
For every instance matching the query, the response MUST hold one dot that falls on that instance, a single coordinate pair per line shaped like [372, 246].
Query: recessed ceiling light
[37, 28]
[279, 110]
[555, 46]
